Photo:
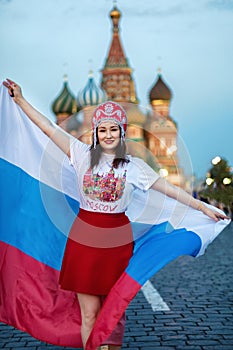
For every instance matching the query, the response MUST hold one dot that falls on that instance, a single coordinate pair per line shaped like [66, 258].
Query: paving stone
[175, 337]
[228, 336]
[33, 343]
[15, 344]
[148, 347]
[203, 342]
[227, 342]
[21, 348]
[217, 347]
[189, 347]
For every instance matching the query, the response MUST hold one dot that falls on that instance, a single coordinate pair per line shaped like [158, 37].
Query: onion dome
[91, 95]
[65, 103]
[160, 91]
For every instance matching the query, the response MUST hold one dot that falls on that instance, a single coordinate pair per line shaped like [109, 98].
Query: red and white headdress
[109, 111]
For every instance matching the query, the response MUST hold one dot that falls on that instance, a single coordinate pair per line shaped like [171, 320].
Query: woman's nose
[109, 134]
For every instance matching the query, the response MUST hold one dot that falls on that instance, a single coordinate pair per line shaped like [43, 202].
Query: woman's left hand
[213, 214]
[14, 90]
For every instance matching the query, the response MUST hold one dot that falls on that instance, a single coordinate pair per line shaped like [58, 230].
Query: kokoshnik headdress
[109, 111]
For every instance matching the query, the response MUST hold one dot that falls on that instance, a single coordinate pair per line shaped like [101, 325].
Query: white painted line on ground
[154, 298]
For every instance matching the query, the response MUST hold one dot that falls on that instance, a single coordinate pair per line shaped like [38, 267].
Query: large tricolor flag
[38, 204]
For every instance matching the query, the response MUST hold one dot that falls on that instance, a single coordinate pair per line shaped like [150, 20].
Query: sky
[191, 41]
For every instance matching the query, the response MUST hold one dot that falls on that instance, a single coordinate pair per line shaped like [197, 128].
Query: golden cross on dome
[90, 73]
[159, 70]
[65, 69]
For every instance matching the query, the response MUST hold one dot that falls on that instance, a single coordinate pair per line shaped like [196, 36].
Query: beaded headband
[109, 111]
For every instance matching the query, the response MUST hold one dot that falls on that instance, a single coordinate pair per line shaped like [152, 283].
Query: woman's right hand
[53, 131]
[14, 90]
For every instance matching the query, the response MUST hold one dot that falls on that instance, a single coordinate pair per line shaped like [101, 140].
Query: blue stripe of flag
[159, 246]
[33, 217]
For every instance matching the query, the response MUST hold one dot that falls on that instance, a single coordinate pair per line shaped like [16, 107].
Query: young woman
[100, 242]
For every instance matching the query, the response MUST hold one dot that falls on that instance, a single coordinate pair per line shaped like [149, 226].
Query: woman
[106, 178]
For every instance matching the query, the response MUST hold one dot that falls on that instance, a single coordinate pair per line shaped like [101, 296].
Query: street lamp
[163, 172]
[216, 160]
[209, 181]
[226, 181]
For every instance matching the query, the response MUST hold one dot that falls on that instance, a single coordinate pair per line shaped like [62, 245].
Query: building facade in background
[151, 134]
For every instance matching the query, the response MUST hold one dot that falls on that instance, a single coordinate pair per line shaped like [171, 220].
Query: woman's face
[108, 136]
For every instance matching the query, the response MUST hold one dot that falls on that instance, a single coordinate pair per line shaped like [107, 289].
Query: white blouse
[104, 188]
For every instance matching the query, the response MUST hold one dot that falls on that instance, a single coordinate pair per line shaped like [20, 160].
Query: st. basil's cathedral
[151, 133]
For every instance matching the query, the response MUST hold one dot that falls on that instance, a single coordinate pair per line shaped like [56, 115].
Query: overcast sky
[190, 40]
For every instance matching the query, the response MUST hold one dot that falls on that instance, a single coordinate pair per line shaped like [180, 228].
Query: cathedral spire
[115, 16]
[117, 80]
[116, 55]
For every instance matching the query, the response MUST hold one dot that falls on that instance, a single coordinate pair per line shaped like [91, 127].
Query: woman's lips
[109, 141]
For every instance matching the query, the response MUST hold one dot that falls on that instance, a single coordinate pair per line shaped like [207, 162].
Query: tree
[219, 184]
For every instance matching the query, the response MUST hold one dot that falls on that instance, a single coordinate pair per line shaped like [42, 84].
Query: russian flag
[39, 203]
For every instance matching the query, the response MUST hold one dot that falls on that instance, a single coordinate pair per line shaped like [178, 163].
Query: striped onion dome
[160, 91]
[65, 102]
[91, 95]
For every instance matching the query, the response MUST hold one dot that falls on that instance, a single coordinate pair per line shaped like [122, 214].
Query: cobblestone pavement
[199, 293]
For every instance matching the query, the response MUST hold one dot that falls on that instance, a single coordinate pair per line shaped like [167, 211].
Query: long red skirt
[97, 252]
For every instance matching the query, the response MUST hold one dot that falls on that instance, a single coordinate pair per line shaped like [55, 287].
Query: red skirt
[97, 252]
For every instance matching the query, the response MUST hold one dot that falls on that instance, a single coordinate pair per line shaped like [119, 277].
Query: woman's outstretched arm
[53, 131]
[184, 197]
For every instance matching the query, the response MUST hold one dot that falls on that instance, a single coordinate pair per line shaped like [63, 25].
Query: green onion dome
[160, 91]
[91, 95]
[65, 103]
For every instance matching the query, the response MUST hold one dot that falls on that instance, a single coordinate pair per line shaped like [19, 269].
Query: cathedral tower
[161, 134]
[119, 85]
[117, 78]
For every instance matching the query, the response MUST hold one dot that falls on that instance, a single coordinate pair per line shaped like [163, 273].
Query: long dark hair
[120, 153]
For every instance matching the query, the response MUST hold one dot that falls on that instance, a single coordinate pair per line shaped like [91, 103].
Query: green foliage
[217, 190]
